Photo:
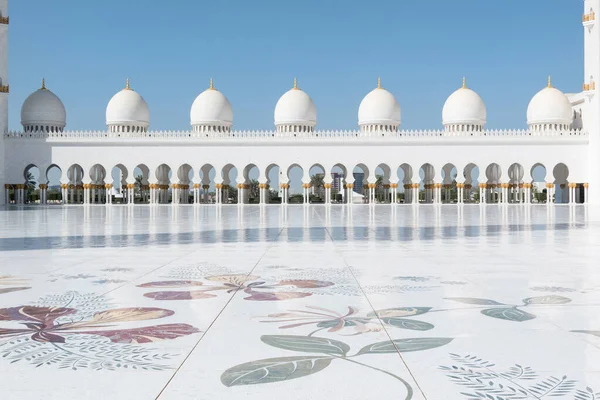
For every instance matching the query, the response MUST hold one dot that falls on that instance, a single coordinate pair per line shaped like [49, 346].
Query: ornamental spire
[378, 82]
[211, 87]
[549, 81]
[127, 87]
[464, 85]
[43, 83]
[295, 84]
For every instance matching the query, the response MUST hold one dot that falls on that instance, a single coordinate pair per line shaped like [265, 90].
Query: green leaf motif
[274, 370]
[404, 345]
[476, 301]
[508, 314]
[552, 299]
[348, 322]
[399, 312]
[307, 344]
[410, 324]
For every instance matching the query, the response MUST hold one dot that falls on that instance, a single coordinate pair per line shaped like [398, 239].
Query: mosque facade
[416, 166]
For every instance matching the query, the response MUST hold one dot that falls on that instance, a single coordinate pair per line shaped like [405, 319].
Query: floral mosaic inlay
[62, 334]
[256, 289]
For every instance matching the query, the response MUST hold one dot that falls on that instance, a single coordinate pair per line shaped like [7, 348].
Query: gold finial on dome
[295, 84]
[549, 81]
[211, 86]
[464, 85]
[378, 82]
[127, 87]
[43, 83]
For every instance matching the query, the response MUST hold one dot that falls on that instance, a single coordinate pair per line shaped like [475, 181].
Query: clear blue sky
[253, 49]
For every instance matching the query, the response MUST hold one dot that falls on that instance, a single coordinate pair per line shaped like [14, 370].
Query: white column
[585, 193]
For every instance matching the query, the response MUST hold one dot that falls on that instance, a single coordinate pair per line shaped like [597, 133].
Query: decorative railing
[589, 17]
[278, 136]
[4, 88]
[4, 20]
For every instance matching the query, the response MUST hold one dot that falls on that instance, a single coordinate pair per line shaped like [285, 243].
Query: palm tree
[317, 181]
[30, 182]
[254, 190]
[139, 183]
[379, 187]
[29, 186]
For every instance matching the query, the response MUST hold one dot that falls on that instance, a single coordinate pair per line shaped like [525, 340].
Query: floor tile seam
[378, 319]
[71, 266]
[579, 338]
[213, 321]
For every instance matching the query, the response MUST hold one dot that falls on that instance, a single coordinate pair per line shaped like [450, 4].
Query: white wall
[526, 151]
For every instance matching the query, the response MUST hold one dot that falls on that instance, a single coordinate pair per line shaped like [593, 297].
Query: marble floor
[407, 302]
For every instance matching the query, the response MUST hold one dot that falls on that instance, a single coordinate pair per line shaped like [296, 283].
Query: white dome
[211, 107]
[127, 108]
[295, 107]
[43, 108]
[549, 106]
[464, 107]
[379, 107]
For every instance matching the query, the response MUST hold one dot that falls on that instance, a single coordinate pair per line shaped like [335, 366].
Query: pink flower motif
[257, 290]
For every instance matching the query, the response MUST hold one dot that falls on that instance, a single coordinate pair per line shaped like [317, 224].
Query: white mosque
[461, 163]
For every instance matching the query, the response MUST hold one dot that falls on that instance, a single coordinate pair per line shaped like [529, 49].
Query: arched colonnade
[425, 183]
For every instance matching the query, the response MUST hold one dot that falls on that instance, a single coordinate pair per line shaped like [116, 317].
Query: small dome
[295, 107]
[464, 107]
[549, 106]
[127, 108]
[379, 107]
[211, 107]
[43, 108]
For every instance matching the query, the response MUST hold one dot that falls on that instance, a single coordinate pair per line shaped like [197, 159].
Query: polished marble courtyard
[300, 302]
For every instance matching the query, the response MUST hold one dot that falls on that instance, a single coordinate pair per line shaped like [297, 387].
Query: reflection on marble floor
[424, 302]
